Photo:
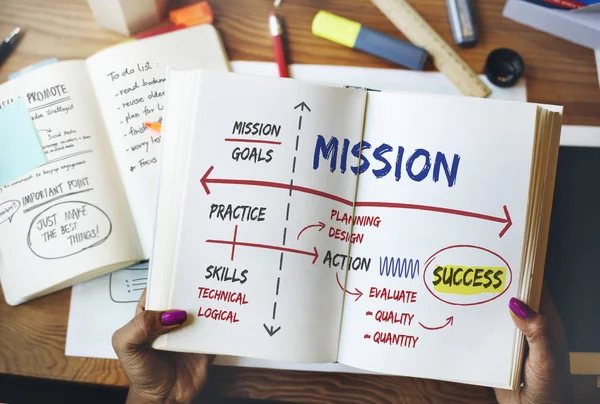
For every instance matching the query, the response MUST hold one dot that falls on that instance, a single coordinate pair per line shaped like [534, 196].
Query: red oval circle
[430, 260]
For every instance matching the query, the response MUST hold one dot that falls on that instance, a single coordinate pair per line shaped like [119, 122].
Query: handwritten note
[129, 81]
[139, 99]
[69, 215]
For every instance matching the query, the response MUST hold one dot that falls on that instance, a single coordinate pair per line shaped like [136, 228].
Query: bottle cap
[504, 67]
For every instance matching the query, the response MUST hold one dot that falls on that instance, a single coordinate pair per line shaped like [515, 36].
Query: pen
[277, 34]
[9, 43]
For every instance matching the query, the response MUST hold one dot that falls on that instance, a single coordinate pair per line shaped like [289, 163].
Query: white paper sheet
[93, 296]
[378, 79]
[100, 307]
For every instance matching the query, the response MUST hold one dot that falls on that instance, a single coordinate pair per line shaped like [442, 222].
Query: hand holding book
[546, 378]
[153, 378]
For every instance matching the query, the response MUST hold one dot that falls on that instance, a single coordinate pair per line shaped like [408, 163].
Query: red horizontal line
[231, 139]
[430, 209]
[265, 246]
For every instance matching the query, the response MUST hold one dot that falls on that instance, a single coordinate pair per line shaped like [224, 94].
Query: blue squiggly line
[400, 267]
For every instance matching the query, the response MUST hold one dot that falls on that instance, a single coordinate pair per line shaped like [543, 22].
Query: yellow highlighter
[353, 35]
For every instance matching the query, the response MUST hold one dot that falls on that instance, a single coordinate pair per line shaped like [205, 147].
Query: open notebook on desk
[90, 209]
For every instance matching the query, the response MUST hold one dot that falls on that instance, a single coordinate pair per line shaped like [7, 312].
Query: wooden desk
[33, 335]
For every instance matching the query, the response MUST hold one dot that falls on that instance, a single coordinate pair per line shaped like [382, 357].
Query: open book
[90, 209]
[383, 231]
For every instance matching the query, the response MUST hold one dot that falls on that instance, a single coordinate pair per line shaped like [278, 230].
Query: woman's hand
[546, 378]
[158, 376]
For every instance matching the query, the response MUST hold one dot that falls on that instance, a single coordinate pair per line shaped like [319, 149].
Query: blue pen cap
[390, 48]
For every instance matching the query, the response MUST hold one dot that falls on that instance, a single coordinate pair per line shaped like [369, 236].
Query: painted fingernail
[522, 310]
[173, 317]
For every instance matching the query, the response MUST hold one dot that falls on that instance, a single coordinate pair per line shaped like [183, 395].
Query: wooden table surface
[33, 335]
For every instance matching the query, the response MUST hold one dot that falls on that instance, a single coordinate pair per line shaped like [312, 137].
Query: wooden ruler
[419, 32]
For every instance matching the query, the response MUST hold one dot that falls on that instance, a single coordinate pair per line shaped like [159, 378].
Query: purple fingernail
[522, 310]
[173, 317]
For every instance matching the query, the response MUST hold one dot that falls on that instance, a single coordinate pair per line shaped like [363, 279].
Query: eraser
[196, 14]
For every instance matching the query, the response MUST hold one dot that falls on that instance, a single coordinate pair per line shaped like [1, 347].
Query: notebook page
[254, 263]
[129, 80]
[445, 260]
[70, 216]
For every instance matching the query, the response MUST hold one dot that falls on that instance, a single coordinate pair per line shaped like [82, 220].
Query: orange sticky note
[196, 14]
[154, 126]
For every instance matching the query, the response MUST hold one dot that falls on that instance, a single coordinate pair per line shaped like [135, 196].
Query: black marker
[9, 43]
[462, 19]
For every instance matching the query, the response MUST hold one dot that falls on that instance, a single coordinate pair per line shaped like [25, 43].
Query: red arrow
[205, 181]
[449, 321]
[506, 219]
[234, 243]
[320, 224]
[358, 293]
[503, 219]
[313, 253]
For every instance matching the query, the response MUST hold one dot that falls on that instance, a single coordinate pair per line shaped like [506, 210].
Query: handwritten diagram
[385, 298]
[127, 285]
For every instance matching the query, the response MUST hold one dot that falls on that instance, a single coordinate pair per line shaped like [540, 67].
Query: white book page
[70, 216]
[129, 81]
[441, 172]
[253, 265]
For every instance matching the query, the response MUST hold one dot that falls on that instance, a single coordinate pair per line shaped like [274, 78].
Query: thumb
[535, 328]
[145, 327]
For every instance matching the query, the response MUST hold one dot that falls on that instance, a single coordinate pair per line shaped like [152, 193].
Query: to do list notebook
[383, 231]
[89, 210]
